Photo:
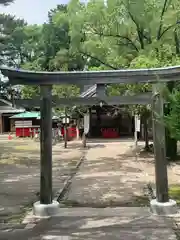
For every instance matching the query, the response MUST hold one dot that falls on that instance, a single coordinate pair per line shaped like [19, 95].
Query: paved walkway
[110, 176]
[98, 224]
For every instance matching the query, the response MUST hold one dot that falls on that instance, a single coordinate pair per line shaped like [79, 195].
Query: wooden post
[135, 139]
[101, 90]
[90, 122]
[1, 124]
[135, 132]
[46, 145]
[77, 129]
[159, 146]
[86, 129]
[65, 128]
[84, 140]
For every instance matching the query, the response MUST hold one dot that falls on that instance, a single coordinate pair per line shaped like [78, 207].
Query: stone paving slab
[115, 224]
[109, 176]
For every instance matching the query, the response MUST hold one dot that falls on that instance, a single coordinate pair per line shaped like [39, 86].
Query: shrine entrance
[107, 122]
[46, 205]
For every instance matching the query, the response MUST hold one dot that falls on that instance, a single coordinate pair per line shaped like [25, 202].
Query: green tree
[52, 53]
[11, 40]
[114, 34]
[11, 52]
[117, 37]
[6, 2]
[172, 119]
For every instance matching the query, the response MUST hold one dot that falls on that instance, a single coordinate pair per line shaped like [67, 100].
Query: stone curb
[68, 181]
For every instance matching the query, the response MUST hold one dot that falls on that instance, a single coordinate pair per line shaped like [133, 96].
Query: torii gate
[46, 206]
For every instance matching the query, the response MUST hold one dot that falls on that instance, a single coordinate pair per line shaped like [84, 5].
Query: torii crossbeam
[141, 99]
[128, 76]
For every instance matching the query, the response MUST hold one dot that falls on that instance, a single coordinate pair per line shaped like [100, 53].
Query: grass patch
[8, 161]
[72, 163]
[141, 201]
[18, 160]
[17, 218]
[174, 193]
[26, 147]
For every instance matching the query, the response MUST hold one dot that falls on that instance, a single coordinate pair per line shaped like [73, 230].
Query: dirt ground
[111, 175]
[20, 174]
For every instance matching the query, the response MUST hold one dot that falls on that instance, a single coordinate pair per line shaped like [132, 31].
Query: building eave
[89, 92]
[11, 111]
[9, 108]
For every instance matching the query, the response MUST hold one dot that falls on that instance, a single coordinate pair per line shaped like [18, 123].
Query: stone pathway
[98, 224]
[109, 176]
[20, 175]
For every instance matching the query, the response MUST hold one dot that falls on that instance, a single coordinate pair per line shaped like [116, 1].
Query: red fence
[26, 131]
[110, 133]
[71, 132]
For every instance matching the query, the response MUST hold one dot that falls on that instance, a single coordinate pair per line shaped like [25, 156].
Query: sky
[33, 11]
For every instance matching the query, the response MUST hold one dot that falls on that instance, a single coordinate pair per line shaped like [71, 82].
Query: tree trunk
[171, 147]
[171, 144]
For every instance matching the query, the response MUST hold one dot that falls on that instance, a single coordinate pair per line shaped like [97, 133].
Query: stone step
[103, 212]
[98, 223]
[109, 223]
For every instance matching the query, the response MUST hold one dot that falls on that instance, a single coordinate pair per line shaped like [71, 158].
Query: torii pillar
[162, 205]
[46, 206]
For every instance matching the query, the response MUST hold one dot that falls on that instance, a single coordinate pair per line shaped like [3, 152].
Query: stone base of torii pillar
[45, 210]
[163, 209]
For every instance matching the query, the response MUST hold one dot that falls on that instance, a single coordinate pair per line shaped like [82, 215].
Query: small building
[27, 124]
[6, 111]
